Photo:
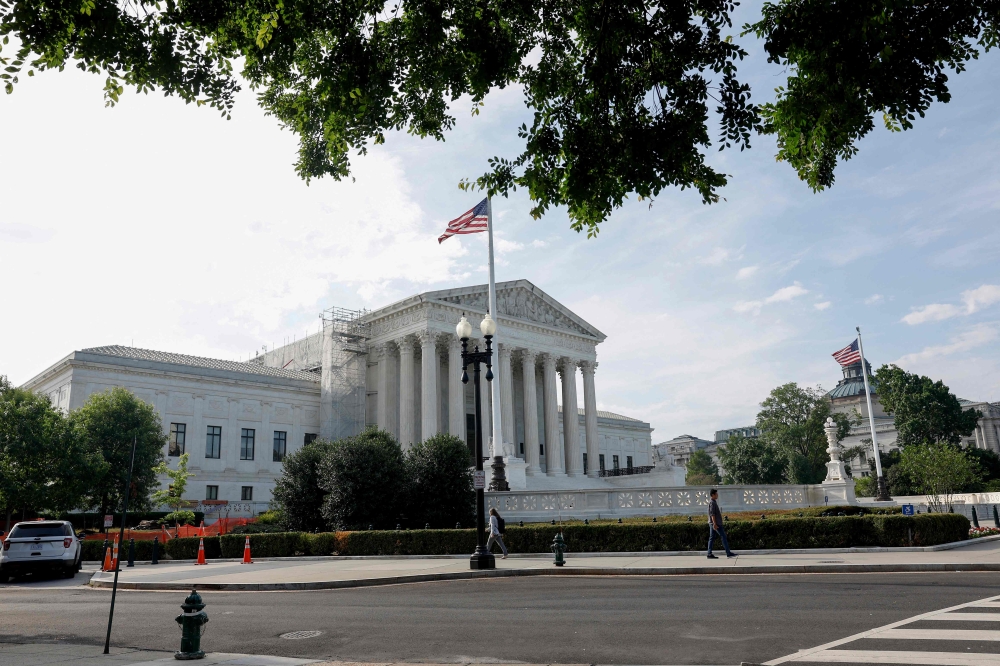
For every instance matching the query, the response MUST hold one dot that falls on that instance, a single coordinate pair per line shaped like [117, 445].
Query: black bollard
[975, 518]
[996, 518]
[131, 553]
[458, 526]
[929, 509]
[156, 551]
[520, 523]
[951, 509]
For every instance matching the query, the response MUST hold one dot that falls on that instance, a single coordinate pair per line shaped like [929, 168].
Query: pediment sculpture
[520, 304]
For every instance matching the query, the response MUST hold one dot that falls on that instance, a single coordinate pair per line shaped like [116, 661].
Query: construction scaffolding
[344, 372]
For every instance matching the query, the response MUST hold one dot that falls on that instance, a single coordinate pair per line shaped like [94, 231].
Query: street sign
[109, 521]
[826, 499]
[907, 509]
[479, 479]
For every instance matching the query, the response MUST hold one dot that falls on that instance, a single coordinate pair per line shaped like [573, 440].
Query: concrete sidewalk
[68, 654]
[330, 573]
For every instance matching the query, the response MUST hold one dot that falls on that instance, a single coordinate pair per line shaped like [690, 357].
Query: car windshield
[32, 530]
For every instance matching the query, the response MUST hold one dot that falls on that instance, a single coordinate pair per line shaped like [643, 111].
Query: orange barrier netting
[221, 526]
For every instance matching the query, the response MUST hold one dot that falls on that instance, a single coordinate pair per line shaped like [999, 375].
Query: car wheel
[69, 573]
[4, 577]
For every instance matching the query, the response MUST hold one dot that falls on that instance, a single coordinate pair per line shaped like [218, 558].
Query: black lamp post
[482, 558]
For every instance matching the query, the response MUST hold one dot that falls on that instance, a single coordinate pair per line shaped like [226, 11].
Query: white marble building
[397, 367]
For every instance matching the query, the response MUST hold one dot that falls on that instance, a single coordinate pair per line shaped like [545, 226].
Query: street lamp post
[482, 558]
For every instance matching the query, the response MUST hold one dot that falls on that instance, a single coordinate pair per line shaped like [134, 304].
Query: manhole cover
[296, 635]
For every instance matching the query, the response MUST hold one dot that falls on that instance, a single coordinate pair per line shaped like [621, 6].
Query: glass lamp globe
[464, 328]
[488, 326]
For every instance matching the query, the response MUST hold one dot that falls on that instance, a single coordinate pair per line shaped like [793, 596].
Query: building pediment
[519, 300]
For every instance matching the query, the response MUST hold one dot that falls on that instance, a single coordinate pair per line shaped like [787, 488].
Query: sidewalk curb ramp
[583, 571]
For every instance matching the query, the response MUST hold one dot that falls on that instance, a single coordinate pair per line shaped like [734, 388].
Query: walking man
[496, 530]
[715, 526]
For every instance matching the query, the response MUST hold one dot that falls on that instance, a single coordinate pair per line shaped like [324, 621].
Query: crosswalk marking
[940, 634]
[904, 657]
[968, 617]
[826, 653]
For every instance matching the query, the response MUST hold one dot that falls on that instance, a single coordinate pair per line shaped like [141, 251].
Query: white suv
[41, 545]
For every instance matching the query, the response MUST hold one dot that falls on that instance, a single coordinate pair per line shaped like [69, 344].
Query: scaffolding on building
[345, 361]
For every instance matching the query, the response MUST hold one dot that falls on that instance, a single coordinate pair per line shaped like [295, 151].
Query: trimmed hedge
[830, 532]
[92, 550]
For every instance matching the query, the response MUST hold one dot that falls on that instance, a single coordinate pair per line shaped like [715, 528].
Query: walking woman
[496, 532]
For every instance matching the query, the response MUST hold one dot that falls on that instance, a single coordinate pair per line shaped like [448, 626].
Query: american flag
[848, 354]
[469, 222]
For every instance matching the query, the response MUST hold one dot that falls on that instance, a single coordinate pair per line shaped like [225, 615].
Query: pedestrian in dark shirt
[715, 526]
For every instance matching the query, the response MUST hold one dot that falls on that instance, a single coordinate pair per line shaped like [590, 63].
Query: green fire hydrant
[559, 547]
[192, 621]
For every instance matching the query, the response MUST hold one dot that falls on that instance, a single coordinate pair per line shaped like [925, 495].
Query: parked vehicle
[47, 545]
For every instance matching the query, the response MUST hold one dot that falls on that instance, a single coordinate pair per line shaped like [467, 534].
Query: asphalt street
[607, 620]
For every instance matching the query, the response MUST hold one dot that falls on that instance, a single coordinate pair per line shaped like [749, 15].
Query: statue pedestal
[516, 477]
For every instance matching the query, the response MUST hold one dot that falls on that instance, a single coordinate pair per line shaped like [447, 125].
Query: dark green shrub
[365, 481]
[92, 550]
[284, 544]
[297, 491]
[441, 492]
[186, 548]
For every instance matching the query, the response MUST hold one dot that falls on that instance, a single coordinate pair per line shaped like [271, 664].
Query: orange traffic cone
[201, 551]
[107, 559]
[114, 558]
[201, 532]
[246, 552]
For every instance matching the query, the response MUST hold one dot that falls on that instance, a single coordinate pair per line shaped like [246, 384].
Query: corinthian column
[506, 400]
[382, 400]
[571, 419]
[456, 389]
[407, 424]
[553, 447]
[428, 385]
[590, 419]
[530, 413]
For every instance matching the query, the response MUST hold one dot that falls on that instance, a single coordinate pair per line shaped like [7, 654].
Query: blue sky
[161, 225]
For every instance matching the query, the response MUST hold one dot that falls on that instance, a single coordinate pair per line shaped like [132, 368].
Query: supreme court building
[399, 368]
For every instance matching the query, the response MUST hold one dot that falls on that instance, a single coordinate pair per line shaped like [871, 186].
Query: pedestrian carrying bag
[501, 525]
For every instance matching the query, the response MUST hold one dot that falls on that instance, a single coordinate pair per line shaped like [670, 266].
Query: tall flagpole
[882, 494]
[498, 481]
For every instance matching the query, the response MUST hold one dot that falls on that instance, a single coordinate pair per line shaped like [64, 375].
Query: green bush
[283, 544]
[93, 550]
[441, 492]
[365, 481]
[186, 548]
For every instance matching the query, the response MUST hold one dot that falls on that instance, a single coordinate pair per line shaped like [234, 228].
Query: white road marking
[807, 654]
[940, 634]
[969, 617]
[903, 657]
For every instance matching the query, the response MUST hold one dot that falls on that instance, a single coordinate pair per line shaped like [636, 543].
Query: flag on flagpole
[470, 222]
[848, 355]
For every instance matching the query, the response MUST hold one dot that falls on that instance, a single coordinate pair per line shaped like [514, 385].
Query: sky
[161, 225]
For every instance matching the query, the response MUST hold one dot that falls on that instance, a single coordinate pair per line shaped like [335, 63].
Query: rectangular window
[628, 461]
[584, 463]
[521, 449]
[600, 460]
[246, 493]
[213, 442]
[309, 438]
[211, 492]
[541, 449]
[614, 462]
[279, 445]
[246, 444]
[177, 433]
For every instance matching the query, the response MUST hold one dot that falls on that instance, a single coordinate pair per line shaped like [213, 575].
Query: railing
[627, 471]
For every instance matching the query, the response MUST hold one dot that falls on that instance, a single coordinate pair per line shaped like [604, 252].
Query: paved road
[628, 620]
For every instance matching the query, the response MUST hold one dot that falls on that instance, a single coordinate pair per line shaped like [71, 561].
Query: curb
[587, 571]
[656, 553]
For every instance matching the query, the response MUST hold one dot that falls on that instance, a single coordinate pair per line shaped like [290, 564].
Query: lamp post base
[482, 559]
[498, 482]
[882, 492]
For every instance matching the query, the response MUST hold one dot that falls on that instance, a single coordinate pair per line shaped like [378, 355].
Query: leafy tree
[702, 470]
[939, 470]
[792, 420]
[297, 491]
[620, 93]
[899, 481]
[107, 424]
[365, 481]
[849, 61]
[43, 466]
[440, 481]
[987, 463]
[925, 411]
[865, 486]
[173, 494]
[849, 453]
[752, 461]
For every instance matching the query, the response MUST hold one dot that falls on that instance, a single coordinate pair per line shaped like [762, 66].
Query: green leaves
[925, 411]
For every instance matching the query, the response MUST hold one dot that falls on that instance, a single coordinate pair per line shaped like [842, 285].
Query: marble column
[392, 384]
[530, 413]
[571, 419]
[485, 395]
[407, 424]
[456, 389]
[507, 401]
[554, 456]
[428, 385]
[382, 400]
[590, 419]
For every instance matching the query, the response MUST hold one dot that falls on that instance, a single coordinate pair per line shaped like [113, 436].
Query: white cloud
[780, 296]
[538, 243]
[825, 305]
[748, 306]
[873, 299]
[716, 257]
[974, 337]
[974, 300]
[746, 272]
